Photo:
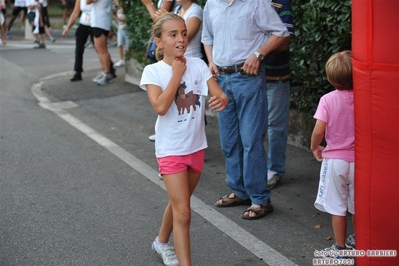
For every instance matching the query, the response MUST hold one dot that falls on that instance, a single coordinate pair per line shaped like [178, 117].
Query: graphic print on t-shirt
[184, 100]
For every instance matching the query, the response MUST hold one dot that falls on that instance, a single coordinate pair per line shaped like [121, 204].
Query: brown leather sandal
[232, 200]
[259, 212]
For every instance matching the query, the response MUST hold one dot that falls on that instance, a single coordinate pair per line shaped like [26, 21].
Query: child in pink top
[335, 122]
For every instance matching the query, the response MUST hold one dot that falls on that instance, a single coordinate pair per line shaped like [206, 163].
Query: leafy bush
[322, 27]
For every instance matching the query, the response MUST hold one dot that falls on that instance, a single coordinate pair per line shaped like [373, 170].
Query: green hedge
[322, 27]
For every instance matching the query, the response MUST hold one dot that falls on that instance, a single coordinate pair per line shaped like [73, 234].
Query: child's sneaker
[333, 252]
[166, 253]
[350, 242]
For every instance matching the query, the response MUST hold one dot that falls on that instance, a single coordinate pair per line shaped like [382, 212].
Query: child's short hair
[339, 70]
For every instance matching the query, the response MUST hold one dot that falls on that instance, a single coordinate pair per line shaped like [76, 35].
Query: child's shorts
[176, 164]
[336, 187]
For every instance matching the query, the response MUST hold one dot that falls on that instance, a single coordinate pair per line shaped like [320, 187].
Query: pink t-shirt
[336, 109]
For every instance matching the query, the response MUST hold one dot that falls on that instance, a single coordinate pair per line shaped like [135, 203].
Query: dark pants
[81, 34]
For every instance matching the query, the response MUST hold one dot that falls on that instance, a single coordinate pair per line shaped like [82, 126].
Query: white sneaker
[98, 77]
[119, 63]
[105, 79]
[272, 179]
[152, 137]
[166, 253]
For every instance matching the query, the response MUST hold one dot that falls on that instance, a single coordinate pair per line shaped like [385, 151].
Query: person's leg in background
[278, 97]
[100, 43]
[81, 34]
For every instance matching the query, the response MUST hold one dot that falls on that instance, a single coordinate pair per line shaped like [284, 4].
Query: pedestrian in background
[36, 21]
[46, 20]
[236, 43]
[122, 39]
[82, 33]
[101, 18]
[278, 76]
[3, 40]
[335, 122]
[19, 5]
[192, 14]
[68, 6]
[177, 88]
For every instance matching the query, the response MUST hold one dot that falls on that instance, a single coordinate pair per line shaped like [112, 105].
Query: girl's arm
[162, 100]
[317, 137]
[219, 100]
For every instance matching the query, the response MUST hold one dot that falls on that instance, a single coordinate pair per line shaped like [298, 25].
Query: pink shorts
[176, 164]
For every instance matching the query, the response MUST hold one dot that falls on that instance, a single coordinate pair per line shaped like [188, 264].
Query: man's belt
[231, 69]
[276, 78]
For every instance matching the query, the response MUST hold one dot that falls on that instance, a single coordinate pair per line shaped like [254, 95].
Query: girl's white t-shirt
[181, 131]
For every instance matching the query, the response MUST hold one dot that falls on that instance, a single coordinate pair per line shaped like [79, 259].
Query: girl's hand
[179, 66]
[218, 102]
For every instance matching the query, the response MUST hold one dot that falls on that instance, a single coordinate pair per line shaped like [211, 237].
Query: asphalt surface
[116, 121]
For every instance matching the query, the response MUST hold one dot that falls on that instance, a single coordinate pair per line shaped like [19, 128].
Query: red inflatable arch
[375, 48]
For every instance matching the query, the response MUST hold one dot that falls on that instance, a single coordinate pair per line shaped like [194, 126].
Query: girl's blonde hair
[339, 70]
[157, 30]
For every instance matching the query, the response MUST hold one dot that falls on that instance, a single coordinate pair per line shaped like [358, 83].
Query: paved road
[79, 182]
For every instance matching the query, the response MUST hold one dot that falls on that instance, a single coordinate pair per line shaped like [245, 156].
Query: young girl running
[177, 87]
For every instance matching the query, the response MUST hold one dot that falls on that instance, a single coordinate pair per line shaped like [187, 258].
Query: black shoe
[76, 77]
[113, 74]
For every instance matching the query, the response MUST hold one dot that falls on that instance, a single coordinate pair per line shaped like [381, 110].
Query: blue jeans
[243, 127]
[278, 96]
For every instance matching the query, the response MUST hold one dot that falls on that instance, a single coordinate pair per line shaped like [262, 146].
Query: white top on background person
[2, 4]
[194, 45]
[21, 3]
[36, 22]
[101, 14]
[85, 17]
[43, 3]
[187, 125]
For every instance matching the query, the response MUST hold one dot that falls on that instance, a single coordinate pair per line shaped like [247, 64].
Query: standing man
[237, 35]
[101, 18]
[278, 75]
